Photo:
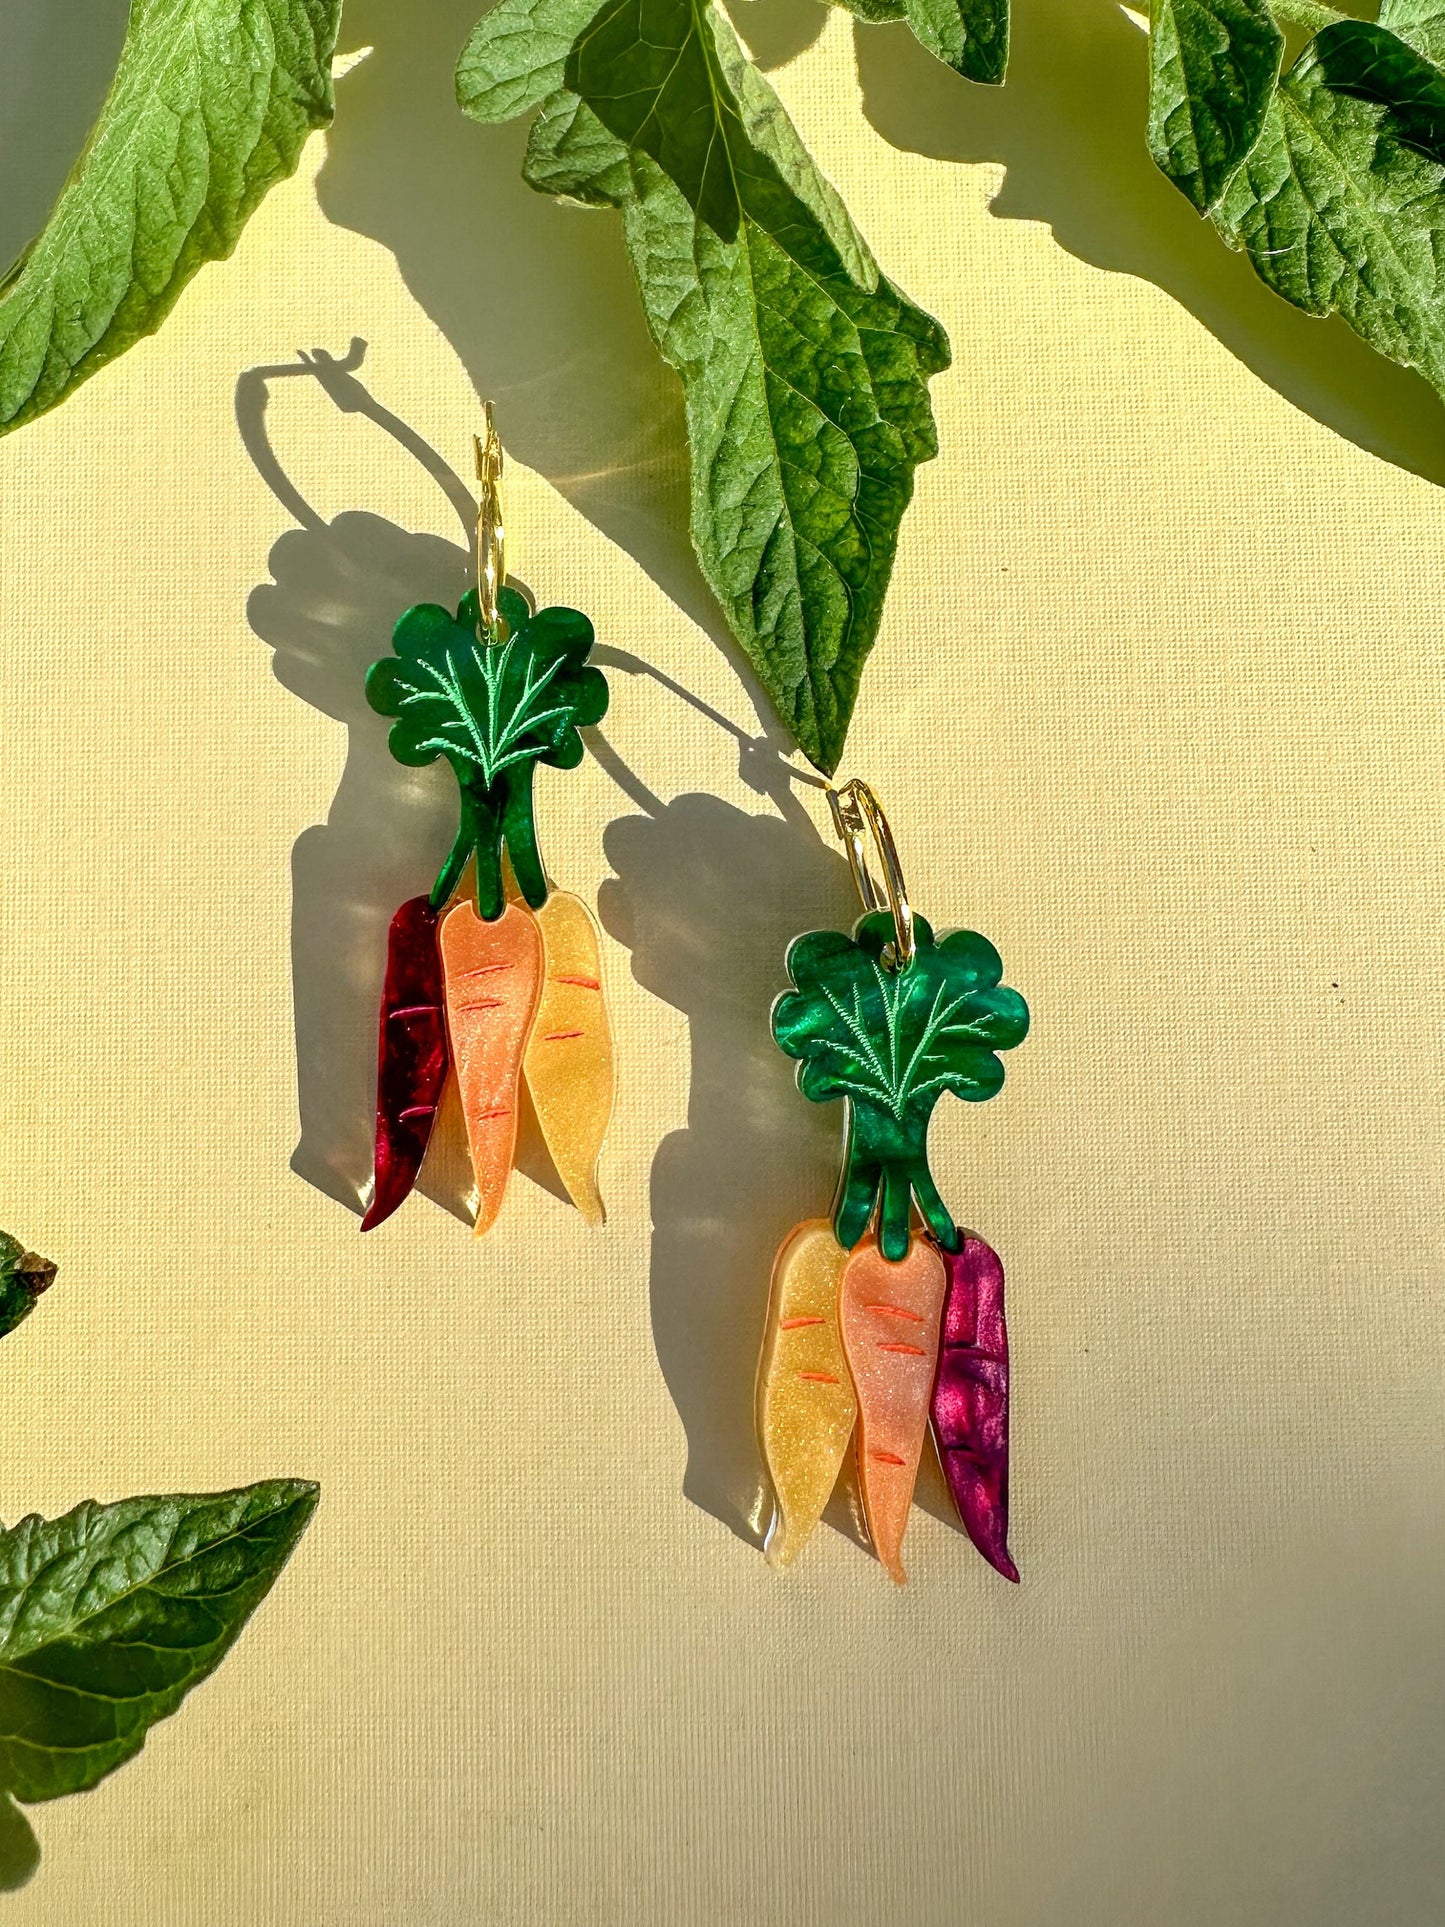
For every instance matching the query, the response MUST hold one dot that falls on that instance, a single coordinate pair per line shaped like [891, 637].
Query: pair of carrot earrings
[882, 1320]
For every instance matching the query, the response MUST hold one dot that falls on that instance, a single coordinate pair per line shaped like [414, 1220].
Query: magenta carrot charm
[412, 1056]
[970, 1398]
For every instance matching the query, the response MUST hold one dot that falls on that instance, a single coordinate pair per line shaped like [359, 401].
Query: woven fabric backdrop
[1157, 706]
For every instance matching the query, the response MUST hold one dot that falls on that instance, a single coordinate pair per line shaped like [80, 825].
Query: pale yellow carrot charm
[806, 1406]
[568, 1063]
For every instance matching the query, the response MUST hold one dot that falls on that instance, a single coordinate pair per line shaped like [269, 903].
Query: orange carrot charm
[806, 1405]
[890, 1316]
[568, 1062]
[493, 985]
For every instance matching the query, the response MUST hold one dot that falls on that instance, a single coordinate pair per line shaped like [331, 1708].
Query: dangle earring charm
[887, 1316]
[504, 983]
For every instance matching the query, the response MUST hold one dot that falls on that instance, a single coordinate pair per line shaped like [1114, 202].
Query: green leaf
[210, 106]
[971, 36]
[517, 55]
[892, 1042]
[23, 1277]
[649, 71]
[804, 371]
[1420, 23]
[1213, 65]
[110, 1615]
[1340, 206]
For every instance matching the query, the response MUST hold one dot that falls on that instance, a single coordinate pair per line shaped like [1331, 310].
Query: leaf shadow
[706, 897]
[19, 1848]
[335, 592]
[1068, 127]
[536, 296]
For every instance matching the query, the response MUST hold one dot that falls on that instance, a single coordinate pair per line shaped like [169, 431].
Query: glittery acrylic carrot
[496, 690]
[888, 1019]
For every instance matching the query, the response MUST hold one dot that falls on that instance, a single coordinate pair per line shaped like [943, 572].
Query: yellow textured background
[1157, 705]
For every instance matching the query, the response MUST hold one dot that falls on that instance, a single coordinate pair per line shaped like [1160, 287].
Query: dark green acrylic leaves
[494, 710]
[892, 1042]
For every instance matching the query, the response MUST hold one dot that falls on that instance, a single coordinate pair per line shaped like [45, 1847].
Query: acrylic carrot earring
[888, 1317]
[505, 985]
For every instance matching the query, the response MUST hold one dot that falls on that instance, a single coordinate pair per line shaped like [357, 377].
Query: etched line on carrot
[486, 970]
[818, 1378]
[909, 1351]
[483, 1003]
[560, 1036]
[897, 1311]
[503, 1110]
[582, 983]
[886, 1458]
[797, 1324]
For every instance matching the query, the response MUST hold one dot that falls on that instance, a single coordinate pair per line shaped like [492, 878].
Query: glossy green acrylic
[494, 709]
[892, 1042]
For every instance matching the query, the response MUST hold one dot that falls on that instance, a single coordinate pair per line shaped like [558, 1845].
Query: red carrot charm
[411, 1056]
[970, 1399]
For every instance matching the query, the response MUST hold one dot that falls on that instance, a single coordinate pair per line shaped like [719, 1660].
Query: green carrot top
[892, 1042]
[494, 710]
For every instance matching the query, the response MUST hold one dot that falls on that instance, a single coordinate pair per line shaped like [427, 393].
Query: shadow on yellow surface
[335, 593]
[754, 1158]
[1069, 129]
[536, 298]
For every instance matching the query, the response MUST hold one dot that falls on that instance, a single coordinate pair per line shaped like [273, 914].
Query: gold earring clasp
[491, 533]
[858, 816]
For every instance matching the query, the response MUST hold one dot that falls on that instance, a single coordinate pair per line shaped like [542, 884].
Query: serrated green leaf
[110, 1615]
[649, 71]
[24, 1276]
[804, 371]
[1420, 23]
[516, 56]
[971, 36]
[1340, 206]
[1213, 65]
[211, 104]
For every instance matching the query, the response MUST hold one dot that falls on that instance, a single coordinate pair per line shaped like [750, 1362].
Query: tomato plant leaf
[1420, 23]
[804, 370]
[211, 103]
[1340, 206]
[1213, 65]
[971, 36]
[23, 1277]
[111, 1614]
[516, 56]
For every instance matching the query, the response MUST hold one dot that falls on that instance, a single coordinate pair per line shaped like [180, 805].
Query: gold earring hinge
[858, 818]
[491, 531]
